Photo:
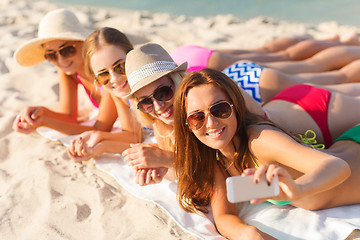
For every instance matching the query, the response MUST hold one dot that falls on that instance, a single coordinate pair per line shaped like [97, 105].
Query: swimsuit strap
[87, 92]
[311, 141]
[227, 168]
[252, 158]
[218, 159]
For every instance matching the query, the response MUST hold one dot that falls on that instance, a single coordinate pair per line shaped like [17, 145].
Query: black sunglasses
[162, 93]
[66, 52]
[104, 77]
[196, 120]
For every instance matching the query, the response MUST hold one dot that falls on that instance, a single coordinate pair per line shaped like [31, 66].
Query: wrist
[170, 162]
[98, 149]
[99, 135]
[43, 117]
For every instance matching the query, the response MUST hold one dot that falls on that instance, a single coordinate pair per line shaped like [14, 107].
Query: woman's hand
[29, 119]
[85, 146]
[289, 190]
[148, 155]
[149, 176]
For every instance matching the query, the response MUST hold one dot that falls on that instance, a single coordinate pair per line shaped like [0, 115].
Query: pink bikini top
[87, 92]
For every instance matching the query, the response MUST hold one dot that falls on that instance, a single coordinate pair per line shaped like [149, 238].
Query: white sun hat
[146, 64]
[59, 24]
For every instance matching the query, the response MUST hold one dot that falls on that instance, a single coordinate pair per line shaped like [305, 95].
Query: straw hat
[146, 64]
[60, 24]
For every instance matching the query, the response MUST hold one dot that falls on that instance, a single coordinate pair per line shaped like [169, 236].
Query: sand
[43, 193]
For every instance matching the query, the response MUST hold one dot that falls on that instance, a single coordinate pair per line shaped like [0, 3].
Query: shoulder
[263, 132]
[270, 145]
[268, 140]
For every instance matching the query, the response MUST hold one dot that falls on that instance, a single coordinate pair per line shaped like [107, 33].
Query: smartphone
[242, 188]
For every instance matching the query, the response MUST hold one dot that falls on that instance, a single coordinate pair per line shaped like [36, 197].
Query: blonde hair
[99, 38]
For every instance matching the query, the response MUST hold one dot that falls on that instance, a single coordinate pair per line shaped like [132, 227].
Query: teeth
[123, 85]
[116, 85]
[216, 133]
[166, 113]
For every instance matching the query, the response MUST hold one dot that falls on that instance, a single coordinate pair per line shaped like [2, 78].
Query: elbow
[341, 170]
[347, 170]
[73, 119]
[344, 168]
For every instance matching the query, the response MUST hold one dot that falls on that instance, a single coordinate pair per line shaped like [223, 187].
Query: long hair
[99, 38]
[195, 162]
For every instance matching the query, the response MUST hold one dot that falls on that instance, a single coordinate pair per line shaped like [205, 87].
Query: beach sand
[45, 195]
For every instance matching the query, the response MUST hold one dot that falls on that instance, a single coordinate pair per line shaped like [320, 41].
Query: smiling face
[70, 65]
[104, 60]
[216, 133]
[162, 110]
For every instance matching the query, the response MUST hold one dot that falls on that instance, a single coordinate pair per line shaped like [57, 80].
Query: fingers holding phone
[260, 184]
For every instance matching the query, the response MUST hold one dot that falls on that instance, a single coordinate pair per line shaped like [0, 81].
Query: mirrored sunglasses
[222, 110]
[66, 52]
[163, 93]
[104, 76]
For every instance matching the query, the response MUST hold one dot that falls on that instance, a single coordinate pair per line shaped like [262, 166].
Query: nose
[60, 58]
[211, 121]
[114, 77]
[157, 104]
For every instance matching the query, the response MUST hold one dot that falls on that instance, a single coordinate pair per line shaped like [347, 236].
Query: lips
[119, 87]
[167, 113]
[67, 66]
[215, 133]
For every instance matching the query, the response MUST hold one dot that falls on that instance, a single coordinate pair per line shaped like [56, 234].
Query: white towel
[283, 222]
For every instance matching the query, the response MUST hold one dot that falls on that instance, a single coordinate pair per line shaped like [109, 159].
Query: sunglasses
[104, 77]
[66, 52]
[163, 93]
[222, 110]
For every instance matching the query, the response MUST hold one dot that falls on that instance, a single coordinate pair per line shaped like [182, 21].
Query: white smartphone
[242, 188]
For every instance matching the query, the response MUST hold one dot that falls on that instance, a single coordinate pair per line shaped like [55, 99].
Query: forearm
[72, 118]
[114, 147]
[325, 176]
[123, 136]
[65, 127]
[170, 159]
[232, 227]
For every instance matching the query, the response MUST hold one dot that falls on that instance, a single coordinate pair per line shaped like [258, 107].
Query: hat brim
[32, 52]
[153, 78]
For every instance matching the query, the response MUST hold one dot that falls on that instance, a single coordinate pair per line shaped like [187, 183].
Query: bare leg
[275, 45]
[273, 81]
[291, 49]
[308, 48]
[348, 74]
[280, 44]
[299, 51]
[326, 60]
